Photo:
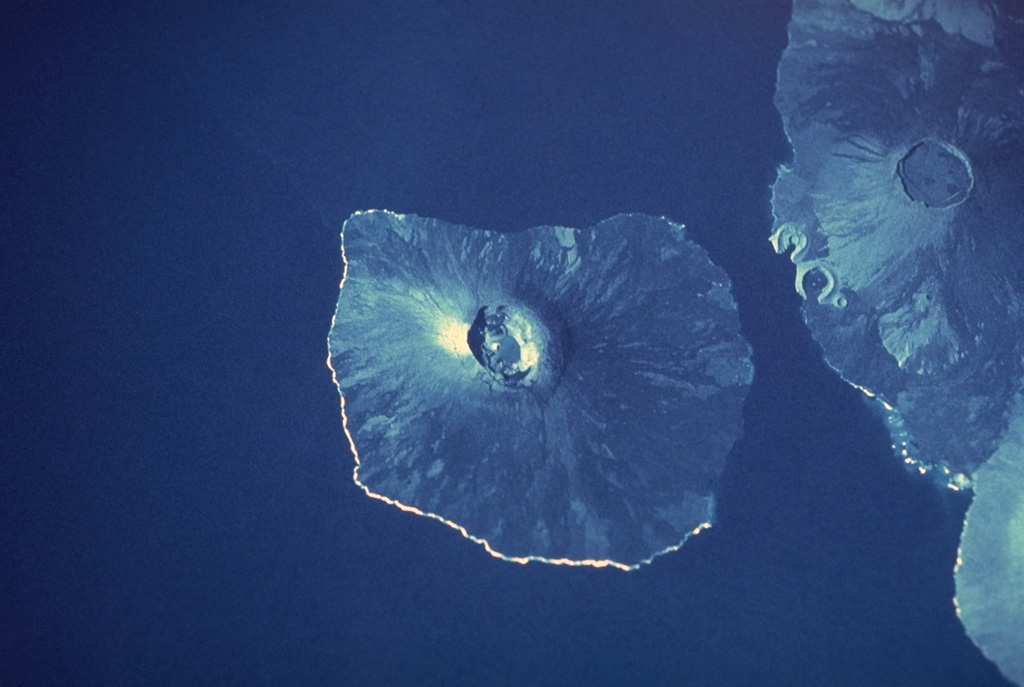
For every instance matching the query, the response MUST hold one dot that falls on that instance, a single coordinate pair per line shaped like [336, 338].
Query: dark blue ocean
[176, 497]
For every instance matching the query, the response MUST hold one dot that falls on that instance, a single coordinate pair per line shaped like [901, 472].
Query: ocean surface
[175, 485]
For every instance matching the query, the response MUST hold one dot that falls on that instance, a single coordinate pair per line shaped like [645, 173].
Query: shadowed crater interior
[936, 174]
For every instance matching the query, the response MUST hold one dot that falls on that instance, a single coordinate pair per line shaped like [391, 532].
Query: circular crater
[506, 343]
[936, 174]
[816, 283]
